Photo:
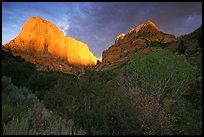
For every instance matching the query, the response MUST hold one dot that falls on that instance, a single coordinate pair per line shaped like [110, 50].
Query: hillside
[191, 46]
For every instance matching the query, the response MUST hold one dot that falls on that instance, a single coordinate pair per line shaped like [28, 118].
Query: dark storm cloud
[98, 24]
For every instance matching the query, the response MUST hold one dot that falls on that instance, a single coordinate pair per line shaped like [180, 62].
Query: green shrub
[162, 74]
[19, 72]
[181, 47]
[13, 95]
[189, 119]
[17, 127]
[165, 76]
[115, 116]
[70, 129]
[6, 112]
[92, 103]
[20, 102]
[42, 80]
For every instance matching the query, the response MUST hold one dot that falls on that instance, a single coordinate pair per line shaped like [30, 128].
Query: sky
[97, 24]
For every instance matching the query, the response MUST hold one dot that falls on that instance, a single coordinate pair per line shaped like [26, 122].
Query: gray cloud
[98, 24]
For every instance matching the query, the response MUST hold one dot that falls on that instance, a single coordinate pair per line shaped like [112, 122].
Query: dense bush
[163, 74]
[155, 95]
[159, 77]
[17, 127]
[6, 113]
[94, 103]
[41, 80]
[157, 44]
[188, 119]
[24, 114]
[18, 71]
[182, 47]
[79, 98]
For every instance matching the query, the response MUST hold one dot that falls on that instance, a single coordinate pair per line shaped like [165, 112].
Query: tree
[182, 47]
[155, 83]
[161, 74]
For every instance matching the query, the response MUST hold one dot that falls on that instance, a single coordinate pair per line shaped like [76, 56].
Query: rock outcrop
[191, 46]
[140, 40]
[42, 39]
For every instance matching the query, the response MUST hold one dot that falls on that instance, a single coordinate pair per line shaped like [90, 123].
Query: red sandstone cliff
[140, 40]
[40, 39]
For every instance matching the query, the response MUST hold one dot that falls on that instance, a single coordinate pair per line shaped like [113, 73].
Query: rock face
[140, 40]
[191, 46]
[41, 38]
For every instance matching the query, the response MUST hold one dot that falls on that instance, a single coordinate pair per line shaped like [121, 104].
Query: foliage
[6, 113]
[191, 46]
[157, 44]
[24, 114]
[155, 117]
[17, 127]
[189, 119]
[163, 74]
[41, 81]
[156, 84]
[182, 47]
[80, 99]
[19, 72]
[194, 92]
[8, 57]
[155, 95]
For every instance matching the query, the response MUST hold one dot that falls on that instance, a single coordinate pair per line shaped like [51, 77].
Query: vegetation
[16, 68]
[163, 74]
[54, 98]
[157, 93]
[16, 127]
[158, 84]
[24, 114]
[158, 44]
[191, 46]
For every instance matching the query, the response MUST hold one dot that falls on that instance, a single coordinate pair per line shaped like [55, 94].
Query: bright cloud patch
[64, 29]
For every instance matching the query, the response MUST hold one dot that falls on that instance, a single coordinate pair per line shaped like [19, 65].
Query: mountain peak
[40, 37]
[143, 39]
[38, 19]
[151, 24]
[121, 36]
[35, 18]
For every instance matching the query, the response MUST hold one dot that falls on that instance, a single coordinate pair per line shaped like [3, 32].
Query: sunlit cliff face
[39, 36]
